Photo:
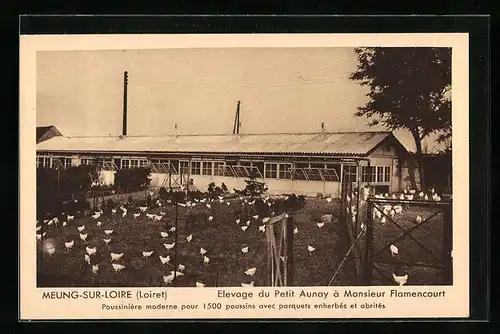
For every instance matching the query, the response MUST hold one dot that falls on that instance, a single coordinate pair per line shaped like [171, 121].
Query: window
[219, 168]
[253, 171]
[86, 161]
[125, 164]
[299, 174]
[387, 172]
[228, 171]
[42, 161]
[330, 175]
[270, 170]
[240, 171]
[134, 163]
[143, 163]
[380, 174]
[313, 174]
[158, 167]
[368, 174]
[184, 167]
[260, 167]
[207, 168]
[350, 173]
[285, 171]
[196, 167]
[67, 162]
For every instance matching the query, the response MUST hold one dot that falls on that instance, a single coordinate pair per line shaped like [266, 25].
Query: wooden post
[368, 260]
[176, 240]
[447, 245]
[289, 252]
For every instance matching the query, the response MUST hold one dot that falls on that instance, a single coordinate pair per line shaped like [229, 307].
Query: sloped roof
[337, 143]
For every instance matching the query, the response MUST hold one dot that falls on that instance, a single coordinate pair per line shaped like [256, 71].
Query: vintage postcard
[244, 176]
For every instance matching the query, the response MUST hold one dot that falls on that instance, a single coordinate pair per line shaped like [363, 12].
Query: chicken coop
[301, 163]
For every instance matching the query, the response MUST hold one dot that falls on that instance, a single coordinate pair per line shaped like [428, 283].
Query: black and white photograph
[244, 167]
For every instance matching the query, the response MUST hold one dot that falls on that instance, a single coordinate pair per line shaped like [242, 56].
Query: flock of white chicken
[145, 214]
[382, 212]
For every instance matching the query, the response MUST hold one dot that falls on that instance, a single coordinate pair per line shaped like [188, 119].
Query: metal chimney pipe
[125, 84]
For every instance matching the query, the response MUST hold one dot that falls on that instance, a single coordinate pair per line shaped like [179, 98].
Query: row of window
[269, 170]
[375, 173]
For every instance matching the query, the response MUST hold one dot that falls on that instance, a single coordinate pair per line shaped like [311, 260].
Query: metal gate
[412, 238]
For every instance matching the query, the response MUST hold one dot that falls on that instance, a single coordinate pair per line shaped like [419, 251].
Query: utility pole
[237, 123]
[125, 84]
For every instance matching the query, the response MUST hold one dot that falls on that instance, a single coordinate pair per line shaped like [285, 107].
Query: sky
[280, 89]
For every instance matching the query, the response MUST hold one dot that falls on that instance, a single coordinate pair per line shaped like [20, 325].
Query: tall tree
[409, 88]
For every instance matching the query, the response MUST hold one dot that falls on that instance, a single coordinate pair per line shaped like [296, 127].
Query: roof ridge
[230, 134]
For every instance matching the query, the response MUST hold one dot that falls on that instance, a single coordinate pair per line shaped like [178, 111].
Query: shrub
[163, 194]
[254, 188]
[132, 179]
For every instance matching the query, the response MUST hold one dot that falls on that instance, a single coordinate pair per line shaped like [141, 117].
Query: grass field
[221, 237]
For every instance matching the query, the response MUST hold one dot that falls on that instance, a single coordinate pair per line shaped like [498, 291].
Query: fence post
[289, 249]
[176, 240]
[447, 245]
[368, 261]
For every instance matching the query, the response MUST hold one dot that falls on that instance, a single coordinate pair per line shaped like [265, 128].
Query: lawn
[222, 238]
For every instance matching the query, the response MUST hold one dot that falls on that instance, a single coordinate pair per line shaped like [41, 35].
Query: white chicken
[206, 260]
[108, 231]
[200, 285]
[84, 236]
[64, 224]
[172, 229]
[164, 234]
[150, 216]
[210, 218]
[118, 267]
[418, 220]
[262, 228]
[237, 221]
[248, 285]
[265, 219]
[244, 250]
[87, 258]
[383, 220]
[203, 251]
[169, 246]
[96, 216]
[328, 200]
[116, 256]
[107, 241]
[248, 223]
[189, 238]
[401, 280]
[208, 206]
[143, 208]
[181, 267]
[136, 215]
[147, 254]
[251, 271]
[295, 230]
[95, 269]
[70, 244]
[310, 249]
[98, 224]
[244, 228]
[164, 260]
[38, 236]
[68, 218]
[80, 228]
[394, 250]
[255, 217]
[91, 251]
[320, 225]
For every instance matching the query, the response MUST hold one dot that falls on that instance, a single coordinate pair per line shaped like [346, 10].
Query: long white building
[301, 163]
